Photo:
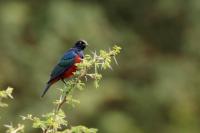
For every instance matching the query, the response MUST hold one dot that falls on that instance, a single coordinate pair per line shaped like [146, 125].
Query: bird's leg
[63, 80]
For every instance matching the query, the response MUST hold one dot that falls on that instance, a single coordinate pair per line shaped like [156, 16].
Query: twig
[61, 103]
[67, 92]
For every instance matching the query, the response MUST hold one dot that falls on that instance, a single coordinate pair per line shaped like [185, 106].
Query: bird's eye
[81, 42]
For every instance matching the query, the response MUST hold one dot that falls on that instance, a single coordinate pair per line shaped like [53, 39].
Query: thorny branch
[96, 61]
[88, 68]
[64, 99]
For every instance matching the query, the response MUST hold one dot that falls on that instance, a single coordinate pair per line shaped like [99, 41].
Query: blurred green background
[155, 89]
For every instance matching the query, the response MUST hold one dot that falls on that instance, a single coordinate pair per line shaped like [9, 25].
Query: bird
[66, 66]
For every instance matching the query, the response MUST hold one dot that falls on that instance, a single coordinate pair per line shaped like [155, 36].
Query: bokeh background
[155, 89]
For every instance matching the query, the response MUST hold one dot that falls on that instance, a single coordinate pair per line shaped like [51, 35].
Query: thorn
[95, 53]
[109, 49]
[115, 60]
[91, 51]
[102, 66]
[111, 68]
[61, 97]
[86, 78]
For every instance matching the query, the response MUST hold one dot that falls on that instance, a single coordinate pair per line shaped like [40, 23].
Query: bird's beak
[85, 42]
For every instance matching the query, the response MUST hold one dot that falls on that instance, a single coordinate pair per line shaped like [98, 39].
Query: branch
[103, 60]
[64, 99]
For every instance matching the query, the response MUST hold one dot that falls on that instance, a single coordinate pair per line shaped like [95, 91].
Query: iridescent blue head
[81, 44]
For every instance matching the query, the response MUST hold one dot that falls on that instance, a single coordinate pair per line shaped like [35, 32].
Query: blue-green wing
[65, 63]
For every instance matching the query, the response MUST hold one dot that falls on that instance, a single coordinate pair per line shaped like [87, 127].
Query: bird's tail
[46, 89]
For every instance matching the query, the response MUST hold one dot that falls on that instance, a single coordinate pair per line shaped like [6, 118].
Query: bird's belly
[72, 69]
[70, 72]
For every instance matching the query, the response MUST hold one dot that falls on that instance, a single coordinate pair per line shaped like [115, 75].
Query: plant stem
[61, 103]
[70, 89]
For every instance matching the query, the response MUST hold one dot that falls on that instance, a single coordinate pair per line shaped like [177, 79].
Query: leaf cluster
[4, 94]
